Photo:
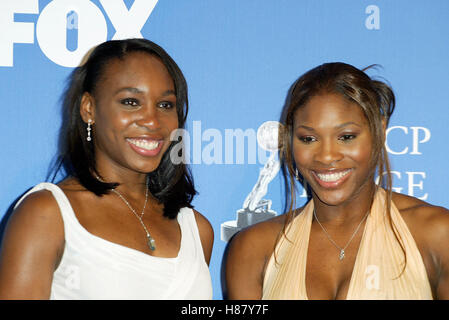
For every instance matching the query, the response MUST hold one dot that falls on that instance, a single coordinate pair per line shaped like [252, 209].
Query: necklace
[150, 241]
[342, 250]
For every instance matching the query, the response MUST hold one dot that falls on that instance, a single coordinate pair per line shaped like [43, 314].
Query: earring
[296, 174]
[89, 129]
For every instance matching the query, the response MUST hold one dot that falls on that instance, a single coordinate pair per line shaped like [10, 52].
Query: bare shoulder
[256, 243]
[206, 234]
[420, 212]
[37, 218]
[427, 222]
[261, 236]
[202, 221]
[38, 208]
[429, 226]
[248, 254]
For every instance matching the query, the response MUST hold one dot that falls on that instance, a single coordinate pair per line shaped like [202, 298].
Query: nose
[149, 118]
[328, 152]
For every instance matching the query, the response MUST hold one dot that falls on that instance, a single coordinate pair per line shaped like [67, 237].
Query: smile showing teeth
[332, 177]
[144, 144]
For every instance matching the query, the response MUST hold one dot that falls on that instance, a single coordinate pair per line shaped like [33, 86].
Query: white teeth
[144, 144]
[332, 177]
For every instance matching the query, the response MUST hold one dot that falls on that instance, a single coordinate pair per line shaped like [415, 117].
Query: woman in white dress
[121, 224]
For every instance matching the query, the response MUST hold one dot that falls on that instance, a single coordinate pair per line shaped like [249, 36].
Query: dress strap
[286, 269]
[379, 271]
[57, 193]
[189, 229]
[191, 263]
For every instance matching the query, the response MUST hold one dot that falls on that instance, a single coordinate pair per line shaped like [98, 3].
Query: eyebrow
[336, 127]
[137, 90]
[129, 89]
[347, 124]
[168, 93]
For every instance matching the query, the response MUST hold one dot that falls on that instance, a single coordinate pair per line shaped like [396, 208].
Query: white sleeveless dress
[94, 268]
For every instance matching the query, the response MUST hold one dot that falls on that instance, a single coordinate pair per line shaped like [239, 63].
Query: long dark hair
[374, 97]
[171, 184]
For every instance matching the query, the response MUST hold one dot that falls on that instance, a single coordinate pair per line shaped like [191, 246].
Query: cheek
[109, 117]
[170, 122]
[362, 154]
[121, 123]
[113, 125]
[302, 155]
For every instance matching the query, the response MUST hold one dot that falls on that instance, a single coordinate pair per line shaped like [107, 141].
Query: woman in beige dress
[355, 238]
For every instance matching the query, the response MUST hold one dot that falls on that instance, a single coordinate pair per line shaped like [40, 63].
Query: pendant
[342, 254]
[151, 243]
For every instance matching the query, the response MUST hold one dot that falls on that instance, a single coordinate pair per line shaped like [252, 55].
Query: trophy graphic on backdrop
[255, 208]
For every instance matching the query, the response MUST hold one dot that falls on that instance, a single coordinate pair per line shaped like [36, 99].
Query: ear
[87, 107]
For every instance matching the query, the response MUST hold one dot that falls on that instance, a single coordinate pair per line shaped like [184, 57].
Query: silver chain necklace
[150, 241]
[342, 250]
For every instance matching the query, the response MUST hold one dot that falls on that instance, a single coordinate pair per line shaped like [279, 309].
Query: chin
[338, 196]
[144, 166]
[330, 198]
[148, 169]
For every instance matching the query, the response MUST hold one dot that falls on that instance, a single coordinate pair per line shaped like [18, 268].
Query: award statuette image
[255, 208]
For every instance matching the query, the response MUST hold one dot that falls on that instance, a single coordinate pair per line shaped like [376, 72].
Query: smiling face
[133, 109]
[332, 147]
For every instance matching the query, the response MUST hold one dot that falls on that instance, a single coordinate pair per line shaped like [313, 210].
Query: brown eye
[307, 139]
[166, 105]
[347, 137]
[131, 102]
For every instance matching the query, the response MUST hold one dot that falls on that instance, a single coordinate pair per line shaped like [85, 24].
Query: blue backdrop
[239, 58]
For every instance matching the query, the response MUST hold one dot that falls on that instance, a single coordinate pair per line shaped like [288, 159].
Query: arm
[439, 244]
[443, 282]
[206, 234]
[31, 248]
[243, 269]
[247, 257]
[429, 226]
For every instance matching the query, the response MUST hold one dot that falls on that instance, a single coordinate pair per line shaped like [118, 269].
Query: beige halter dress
[378, 263]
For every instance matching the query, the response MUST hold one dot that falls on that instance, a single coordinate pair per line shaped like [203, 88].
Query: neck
[347, 213]
[134, 183]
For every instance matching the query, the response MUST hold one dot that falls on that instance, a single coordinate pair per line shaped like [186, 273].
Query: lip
[146, 146]
[331, 179]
